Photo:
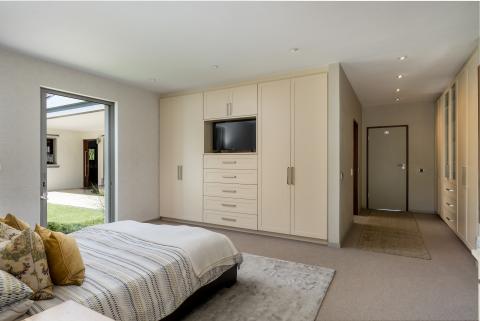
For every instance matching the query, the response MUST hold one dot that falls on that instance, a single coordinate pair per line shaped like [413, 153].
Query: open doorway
[77, 161]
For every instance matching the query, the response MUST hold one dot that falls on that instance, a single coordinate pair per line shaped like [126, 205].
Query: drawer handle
[229, 219]
[229, 162]
[450, 205]
[450, 189]
[229, 205]
[229, 191]
[225, 176]
[449, 219]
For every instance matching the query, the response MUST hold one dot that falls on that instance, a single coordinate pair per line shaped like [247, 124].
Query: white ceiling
[176, 43]
[83, 122]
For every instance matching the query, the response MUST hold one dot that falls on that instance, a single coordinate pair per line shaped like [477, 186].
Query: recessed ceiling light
[397, 99]
[402, 58]
[215, 66]
[400, 76]
[294, 50]
[397, 90]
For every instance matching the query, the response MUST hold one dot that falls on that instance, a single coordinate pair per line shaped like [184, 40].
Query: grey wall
[420, 118]
[343, 108]
[137, 135]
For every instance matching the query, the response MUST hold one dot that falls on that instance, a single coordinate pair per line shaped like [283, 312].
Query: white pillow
[15, 310]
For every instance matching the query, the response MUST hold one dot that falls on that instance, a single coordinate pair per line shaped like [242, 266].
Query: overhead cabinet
[228, 103]
[293, 159]
[181, 157]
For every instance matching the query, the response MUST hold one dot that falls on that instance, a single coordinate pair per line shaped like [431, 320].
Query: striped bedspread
[131, 279]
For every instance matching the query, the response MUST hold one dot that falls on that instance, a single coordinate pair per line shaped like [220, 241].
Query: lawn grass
[67, 219]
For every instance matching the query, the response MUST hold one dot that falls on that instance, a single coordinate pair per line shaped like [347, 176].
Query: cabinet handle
[229, 162]
[229, 219]
[229, 191]
[229, 205]
[450, 204]
[288, 175]
[449, 219]
[292, 175]
[225, 176]
[450, 189]
[179, 172]
[228, 109]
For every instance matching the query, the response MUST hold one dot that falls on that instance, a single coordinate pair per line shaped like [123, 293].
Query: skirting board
[229, 228]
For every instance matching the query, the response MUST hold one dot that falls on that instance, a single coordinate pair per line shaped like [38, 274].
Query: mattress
[131, 277]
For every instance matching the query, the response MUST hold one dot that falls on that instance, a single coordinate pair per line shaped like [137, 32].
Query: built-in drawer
[450, 195]
[450, 214]
[230, 161]
[241, 176]
[231, 219]
[232, 205]
[230, 190]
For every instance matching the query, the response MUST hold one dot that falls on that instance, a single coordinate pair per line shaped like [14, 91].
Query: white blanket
[206, 249]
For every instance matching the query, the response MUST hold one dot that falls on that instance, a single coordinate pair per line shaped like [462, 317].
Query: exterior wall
[137, 126]
[420, 118]
[69, 172]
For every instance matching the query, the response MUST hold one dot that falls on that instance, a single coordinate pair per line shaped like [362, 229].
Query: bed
[146, 272]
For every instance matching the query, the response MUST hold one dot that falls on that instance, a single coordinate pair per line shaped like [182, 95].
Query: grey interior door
[387, 168]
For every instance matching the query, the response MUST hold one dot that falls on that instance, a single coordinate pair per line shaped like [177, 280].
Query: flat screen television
[237, 136]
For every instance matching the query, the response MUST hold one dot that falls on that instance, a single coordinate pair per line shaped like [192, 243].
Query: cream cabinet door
[309, 156]
[181, 157]
[217, 104]
[244, 101]
[462, 153]
[274, 141]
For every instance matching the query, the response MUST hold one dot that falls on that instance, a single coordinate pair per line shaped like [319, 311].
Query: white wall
[420, 118]
[343, 108]
[69, 170]
[136, 136]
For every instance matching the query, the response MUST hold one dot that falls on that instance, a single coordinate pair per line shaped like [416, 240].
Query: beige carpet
[391, 233]
[376, 286]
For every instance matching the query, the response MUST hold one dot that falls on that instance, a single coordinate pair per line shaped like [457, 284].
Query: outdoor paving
[76, 197]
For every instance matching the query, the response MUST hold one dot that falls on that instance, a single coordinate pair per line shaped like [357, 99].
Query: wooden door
[90, 163]
[171, 141]
[181, 157]
[459, 93]
[217, 104]
[274, 141]
[309, 156]
[192, 157]
[356, 168]
[244, 101]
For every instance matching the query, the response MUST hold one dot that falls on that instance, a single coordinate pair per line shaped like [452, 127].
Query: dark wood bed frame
[226, 280]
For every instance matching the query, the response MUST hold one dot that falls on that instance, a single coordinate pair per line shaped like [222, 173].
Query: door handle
[44, 196]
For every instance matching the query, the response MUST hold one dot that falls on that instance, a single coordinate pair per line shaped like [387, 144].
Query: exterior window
[52, 151]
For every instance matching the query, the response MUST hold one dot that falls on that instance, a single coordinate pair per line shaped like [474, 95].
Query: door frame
[109, 155]
[86, 178]
[355, 167]
[407, 160]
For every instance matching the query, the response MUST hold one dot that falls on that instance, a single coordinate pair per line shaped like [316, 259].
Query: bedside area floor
[378, 286]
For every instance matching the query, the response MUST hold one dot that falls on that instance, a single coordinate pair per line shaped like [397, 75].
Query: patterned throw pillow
[12, 289]
[23, 256]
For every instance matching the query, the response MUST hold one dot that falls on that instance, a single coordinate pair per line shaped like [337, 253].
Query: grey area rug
[269, 289]
[392, 233]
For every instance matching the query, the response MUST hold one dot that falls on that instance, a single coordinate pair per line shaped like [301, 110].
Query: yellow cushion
[64, 259]
[13, 221]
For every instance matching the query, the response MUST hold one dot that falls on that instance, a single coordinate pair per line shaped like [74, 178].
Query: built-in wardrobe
[457, 153]
[280, 187]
